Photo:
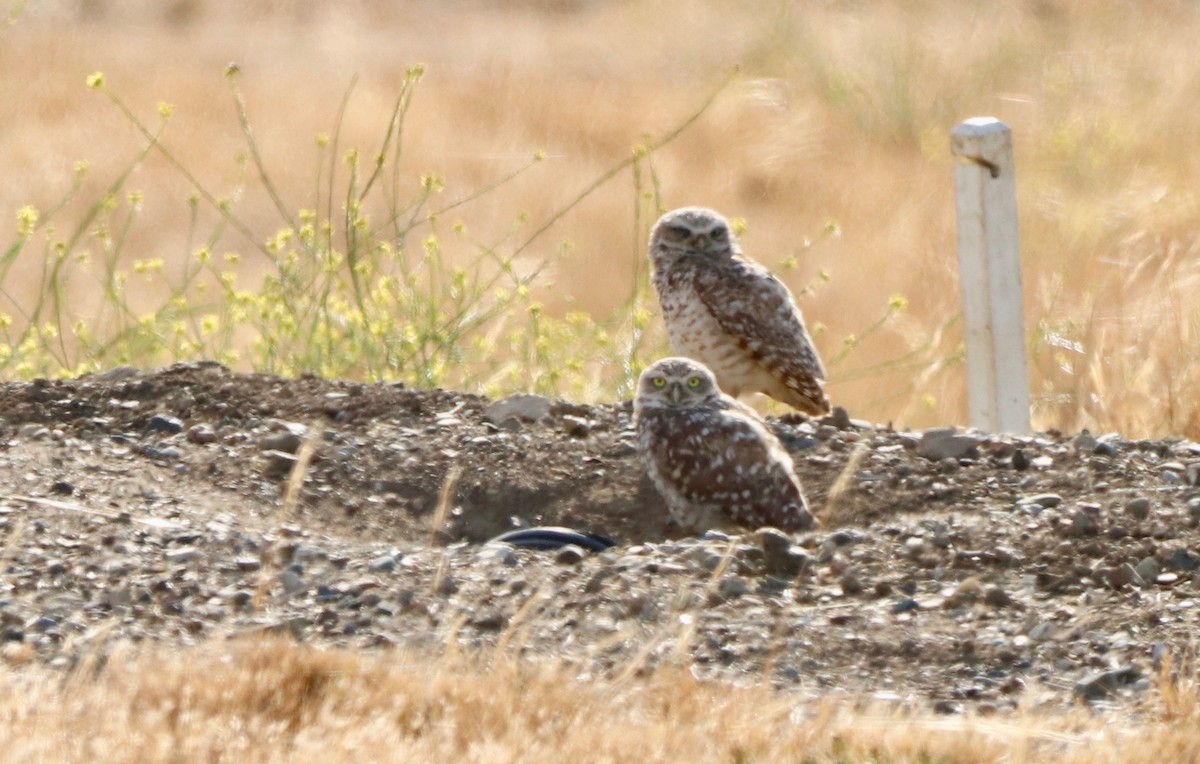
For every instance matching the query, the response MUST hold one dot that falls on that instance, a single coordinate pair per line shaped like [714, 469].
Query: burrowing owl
[710, 455]
[729, 312]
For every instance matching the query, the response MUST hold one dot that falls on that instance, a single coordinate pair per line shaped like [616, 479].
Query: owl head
[694, 231]
[676, 383]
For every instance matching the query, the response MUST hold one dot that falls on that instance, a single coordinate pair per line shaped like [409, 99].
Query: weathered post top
[983, 140]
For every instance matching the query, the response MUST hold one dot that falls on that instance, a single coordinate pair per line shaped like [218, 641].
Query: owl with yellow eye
[712, 459]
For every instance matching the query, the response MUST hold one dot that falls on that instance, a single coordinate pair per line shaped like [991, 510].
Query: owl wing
[757, 310]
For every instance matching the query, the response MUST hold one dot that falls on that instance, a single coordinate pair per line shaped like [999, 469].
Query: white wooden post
[989, 272]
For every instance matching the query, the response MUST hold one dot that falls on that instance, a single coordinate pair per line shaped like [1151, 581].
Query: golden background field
[839, 112]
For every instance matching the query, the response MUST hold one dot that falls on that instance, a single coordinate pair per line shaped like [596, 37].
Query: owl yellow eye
[659, 382]
[693, 382]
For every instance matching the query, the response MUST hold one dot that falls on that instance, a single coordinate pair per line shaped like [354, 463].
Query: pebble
[292, 582]
[1122, 575]
[1042, 631]
[182, 554]
[570, 554]
[1045, 500]
[732, 587]
[1138, 508]
[1148, 569]
[906, 605]
[522, 407]
[780, 556]
[946, 443]
[201, 434]
[279, 464]
[497, 553]
[286, 442]
[164, 423]
[1104, 683]
[383, 564]
[998, 597]
[1182, 559]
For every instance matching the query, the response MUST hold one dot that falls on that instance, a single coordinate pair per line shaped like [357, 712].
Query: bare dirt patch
[975, 573]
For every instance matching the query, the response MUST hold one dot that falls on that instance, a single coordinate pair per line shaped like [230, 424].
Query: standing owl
[711, 456]
[730, 313]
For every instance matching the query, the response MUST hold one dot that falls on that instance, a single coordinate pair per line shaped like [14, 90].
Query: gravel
[155, 506]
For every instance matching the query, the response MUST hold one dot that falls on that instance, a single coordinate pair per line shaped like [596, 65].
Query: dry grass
[274, 700]
[840, 113]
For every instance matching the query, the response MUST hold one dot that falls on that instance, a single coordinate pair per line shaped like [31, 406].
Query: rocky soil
[953, 570]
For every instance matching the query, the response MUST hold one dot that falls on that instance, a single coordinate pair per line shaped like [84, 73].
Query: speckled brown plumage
[712, 458]
[731, 314]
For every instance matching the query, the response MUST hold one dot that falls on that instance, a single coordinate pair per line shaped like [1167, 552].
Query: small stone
[497, 553]
[851, 585]
[1138, 508]
[914, 546]
[490, 620]
[164, 423]
[570, 554]
[383, 564]
[1084, 442]
[1042, 631]
[780, 556]
[524, 407]
[201, 434]
[1102, 684]
[287, 442]
[1148, 569]
[182, 554]
[279, 464]
[732, 587]
[1020, 460]
[997, 597]
[117, 596]
[1083, 523]
[44, 623]
[1044, 500]
[575, 426]
[292, 582]
[1182, 559]
[308, 553]
[774, 542]
[707, 559]
[1122, 576]
[946, 443]
[839, 418]
[947, 707]
[906, 605]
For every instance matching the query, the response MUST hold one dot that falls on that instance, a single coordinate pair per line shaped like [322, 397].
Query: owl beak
[675, 394]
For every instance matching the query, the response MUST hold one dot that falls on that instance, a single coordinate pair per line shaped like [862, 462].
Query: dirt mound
[951, 566]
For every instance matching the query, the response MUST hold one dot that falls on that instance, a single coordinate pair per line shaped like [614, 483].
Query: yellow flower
[165, 109]
[95, 80]
[27, 218]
